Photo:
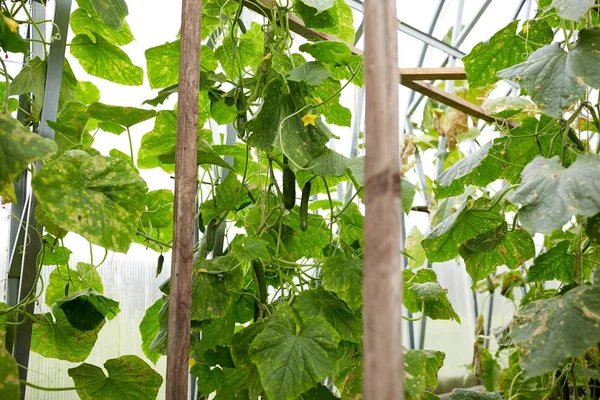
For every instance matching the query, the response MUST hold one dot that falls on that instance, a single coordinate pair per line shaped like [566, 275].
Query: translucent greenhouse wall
[130, 279]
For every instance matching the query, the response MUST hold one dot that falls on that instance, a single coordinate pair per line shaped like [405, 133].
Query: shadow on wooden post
[383, 364]
[184, 209]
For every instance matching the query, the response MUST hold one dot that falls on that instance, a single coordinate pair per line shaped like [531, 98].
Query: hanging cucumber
[304, 206]
[201, 226]
[261, 288]
[159, 264]
[289, 186]
[211, 234]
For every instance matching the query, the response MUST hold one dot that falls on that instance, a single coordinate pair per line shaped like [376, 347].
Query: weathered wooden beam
[431, 74]
[456, 102]
[180, 300]
[383, 365]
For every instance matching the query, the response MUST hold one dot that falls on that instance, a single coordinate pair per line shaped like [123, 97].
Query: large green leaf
[572, 9]
[19, 147]
[250, 247]
[292, 356]
[551, 194]
[87, 309]
[505, 49]
[477, 169]
[100, 198]
[337, 20]
[65, 282]
[54, 254]
[547, 333]
[556, 263]
[556, 79]
[129, 377]
[247, 51]
[84, 23]
[105, 60]
[157, 219]
[212, 284]
[149, 328]
[227, 193]
[124, 116]
[343, 275]
[321, 303]
[333, 111]
[312, 73]
[516, 247]
[56, 338]
[111, 12]
[470, 220]
[423, 286]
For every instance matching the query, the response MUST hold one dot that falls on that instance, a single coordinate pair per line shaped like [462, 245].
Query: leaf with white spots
[556, 79]
[547, 333]
[551, 194]
[100, 198]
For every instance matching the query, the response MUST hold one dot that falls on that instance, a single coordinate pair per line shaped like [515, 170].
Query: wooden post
[185, 191]
[383, 363]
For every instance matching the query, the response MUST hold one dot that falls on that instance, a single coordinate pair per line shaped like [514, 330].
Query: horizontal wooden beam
[431, 74]
[412, 78]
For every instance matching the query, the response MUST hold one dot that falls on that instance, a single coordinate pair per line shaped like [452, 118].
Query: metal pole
[184, 208]
[383, 363]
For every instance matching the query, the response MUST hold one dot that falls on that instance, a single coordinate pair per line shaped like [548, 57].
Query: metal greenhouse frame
[383, 258]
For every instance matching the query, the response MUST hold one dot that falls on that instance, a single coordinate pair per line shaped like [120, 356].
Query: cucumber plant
[278, 314]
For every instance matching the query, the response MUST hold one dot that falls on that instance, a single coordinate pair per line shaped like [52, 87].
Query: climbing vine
[276, 309]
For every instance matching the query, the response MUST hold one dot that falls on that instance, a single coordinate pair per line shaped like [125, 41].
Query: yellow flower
[11, 23]
[309, 119]
[192, 362]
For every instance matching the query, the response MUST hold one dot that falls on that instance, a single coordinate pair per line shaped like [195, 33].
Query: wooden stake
[383, 365]
[185, 191]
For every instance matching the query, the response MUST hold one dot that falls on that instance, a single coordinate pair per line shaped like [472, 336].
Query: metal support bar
[416, 33]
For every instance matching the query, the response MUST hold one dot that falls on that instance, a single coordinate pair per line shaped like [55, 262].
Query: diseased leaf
[328, 163]
[572, 9]
[343, 276]
[84, 23]
[10, 389]
[470, 220]
[19, 147]
[106, 61]
[556, 79]
[157, 219]
[86, 92]
[129, 377]
[56, 338]
[321, 303]
[505, 49]
[556, 263]
[549, 332]
[248, 51]
[551, 194]
[111, 12]
[100, 198]
[423, 286]
[292, 356]
[337, 20]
